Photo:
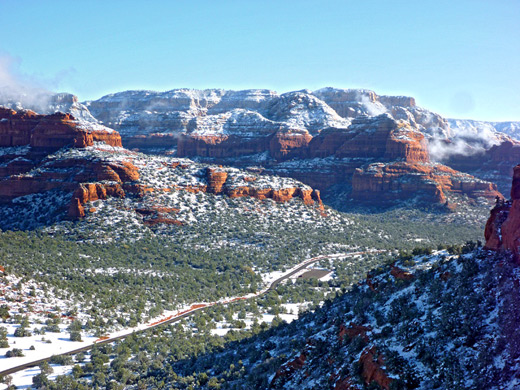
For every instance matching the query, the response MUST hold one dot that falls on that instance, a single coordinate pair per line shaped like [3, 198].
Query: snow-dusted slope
[488, 132]
[49, 103]
[510, 128]
[207, 111]
[145, 112]
[301, 110]
[351, 103]
[442, 321]
[211, 111]
[181, 110]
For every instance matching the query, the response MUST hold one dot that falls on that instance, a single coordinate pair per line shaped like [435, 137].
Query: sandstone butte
[381, 158]
[93, 179]
[50, 131]
[216, 184]
[380, 137]
[398, 180]
[216, 180]
[503, 226]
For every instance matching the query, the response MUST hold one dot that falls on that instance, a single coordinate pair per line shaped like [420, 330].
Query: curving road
[179, 317]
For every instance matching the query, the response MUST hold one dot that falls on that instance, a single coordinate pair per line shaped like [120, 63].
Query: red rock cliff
[16, 128]
[220, 146]
[382, 158]
[499, 158]
[401, 180]
[503, 226]
[91, 192]
[51, 131]
[380, 137]
[371, 370]
[217, 180]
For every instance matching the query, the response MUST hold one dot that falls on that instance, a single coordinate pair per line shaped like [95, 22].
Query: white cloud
[18, 90]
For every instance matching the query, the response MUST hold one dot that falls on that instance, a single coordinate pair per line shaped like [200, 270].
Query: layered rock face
[25, 140]
[248, 113]
[67, 174]
[383, 159]
[503, 226]
[495, 163]
[352, 103]
[16, 128]
[147, 112]
[378, 138]
[89, 192]
[222, 181]
[51, 131]
[488, 150]
[84, 162]
[380, 182]
[318, 137]
[321, 138]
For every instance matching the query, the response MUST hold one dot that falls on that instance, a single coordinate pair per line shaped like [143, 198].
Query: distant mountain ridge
[510, 128]
[264, 128]
[376, 147]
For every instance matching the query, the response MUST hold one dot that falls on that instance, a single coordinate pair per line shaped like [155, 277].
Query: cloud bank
[21, 91]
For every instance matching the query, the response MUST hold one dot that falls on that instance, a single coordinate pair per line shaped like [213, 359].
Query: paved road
[272, 286]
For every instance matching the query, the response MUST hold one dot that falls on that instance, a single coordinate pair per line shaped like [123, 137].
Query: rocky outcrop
[16, 186]
[345, 384]
[401, 274]
[286, 372]
[220, 146]
[353, 330]
[58, 130]
[427, 182]
[46, 103]
[503, 226]
[216, 180]
[344, 150]
[402, 101]
[495, 163]
[329, 158]
[288, 369]
[184, 111]
[42, 153]
[88, 179]
[76, 209]
[371, 371]
[318, 137]
[51, 131]
[116, 173]
[289, 144]
[501, 156]
[380, 137]
[89, 192]
[217, 183]
[16, 127]
[407, 144]
[322, 138]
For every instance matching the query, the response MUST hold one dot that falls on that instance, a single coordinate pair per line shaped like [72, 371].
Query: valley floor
[57, 344]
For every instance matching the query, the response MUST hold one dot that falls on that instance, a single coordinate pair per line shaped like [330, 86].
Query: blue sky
[459, 58]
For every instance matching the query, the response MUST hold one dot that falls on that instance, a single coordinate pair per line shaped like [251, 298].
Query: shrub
[15, 352]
